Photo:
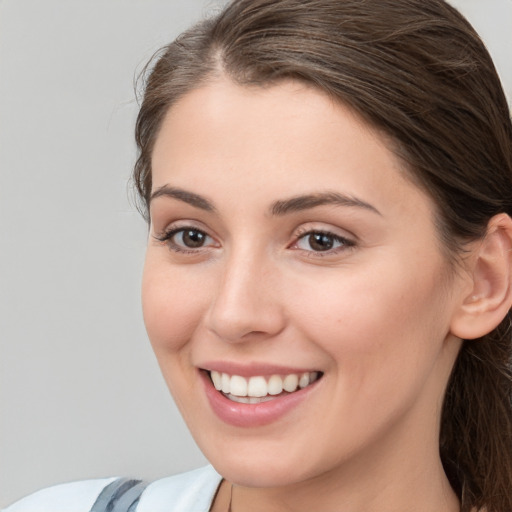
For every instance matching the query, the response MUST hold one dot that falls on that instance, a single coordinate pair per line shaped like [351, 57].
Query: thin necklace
[230, 499]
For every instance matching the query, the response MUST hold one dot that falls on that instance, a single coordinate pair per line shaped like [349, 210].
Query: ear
[490, 271]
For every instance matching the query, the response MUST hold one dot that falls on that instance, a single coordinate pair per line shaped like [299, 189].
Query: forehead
[287, 138]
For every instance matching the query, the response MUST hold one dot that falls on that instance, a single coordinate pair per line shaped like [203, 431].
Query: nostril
[244, 308]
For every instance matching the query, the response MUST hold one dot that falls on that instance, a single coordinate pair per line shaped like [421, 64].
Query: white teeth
[225, 381]
[291, 382]
[235, 386]
[303, 380]
[238, 386]
[257, 387]
[216, 379]
[275, 385]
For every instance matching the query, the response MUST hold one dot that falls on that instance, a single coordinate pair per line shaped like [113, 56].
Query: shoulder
[74, 496]
[192, 491]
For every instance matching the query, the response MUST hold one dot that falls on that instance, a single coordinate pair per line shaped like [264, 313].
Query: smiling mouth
[258, 389]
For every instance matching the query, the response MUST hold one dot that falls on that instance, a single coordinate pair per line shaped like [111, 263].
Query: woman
[327, 285]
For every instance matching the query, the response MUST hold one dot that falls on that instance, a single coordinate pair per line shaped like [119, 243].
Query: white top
[188, 492]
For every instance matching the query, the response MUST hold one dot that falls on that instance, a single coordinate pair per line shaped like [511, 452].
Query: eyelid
[347, 241]
[166, 237]
[178, 225]
[312, 227]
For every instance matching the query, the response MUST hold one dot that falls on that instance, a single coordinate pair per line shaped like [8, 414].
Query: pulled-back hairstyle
[417, 71]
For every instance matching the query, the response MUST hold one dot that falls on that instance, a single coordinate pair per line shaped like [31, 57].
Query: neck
[438, 498]
[391, 477]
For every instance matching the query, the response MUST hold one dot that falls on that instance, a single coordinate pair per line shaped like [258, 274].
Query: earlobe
[490, 297]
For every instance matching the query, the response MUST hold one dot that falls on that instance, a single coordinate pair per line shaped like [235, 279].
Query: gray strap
[128, 501]
[123, 492]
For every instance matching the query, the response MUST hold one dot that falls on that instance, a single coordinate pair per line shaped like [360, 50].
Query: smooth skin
[375, 305]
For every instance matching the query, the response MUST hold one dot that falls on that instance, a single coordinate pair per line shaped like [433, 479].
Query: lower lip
[252, 415]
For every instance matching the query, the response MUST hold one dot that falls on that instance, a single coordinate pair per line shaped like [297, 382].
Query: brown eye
[191, 238]
[186, 239]
[318, 241]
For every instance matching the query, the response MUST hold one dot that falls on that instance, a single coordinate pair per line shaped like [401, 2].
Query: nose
[246, 305]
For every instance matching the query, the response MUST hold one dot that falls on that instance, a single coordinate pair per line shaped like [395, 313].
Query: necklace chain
[230, 499]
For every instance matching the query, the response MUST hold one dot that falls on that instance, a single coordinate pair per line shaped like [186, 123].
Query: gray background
[81, 395]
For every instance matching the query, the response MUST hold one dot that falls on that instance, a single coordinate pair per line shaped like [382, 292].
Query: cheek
[172, 306]
[383, 344]
[383, 325]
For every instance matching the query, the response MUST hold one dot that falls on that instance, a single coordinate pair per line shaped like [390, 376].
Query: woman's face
[288, 249]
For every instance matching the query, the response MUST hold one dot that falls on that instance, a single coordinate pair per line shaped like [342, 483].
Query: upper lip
[252, 369]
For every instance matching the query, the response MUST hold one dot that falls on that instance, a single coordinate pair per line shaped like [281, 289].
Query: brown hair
[418, 71]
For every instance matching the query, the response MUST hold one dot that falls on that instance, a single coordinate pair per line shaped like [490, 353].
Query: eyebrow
[305, 202]
[185, 196]
[278, 208]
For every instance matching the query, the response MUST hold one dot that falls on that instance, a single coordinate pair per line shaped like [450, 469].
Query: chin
[259, 462]
[260, 474]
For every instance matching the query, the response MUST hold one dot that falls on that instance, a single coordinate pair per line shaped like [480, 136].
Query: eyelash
[167, 238]
[345, 243]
